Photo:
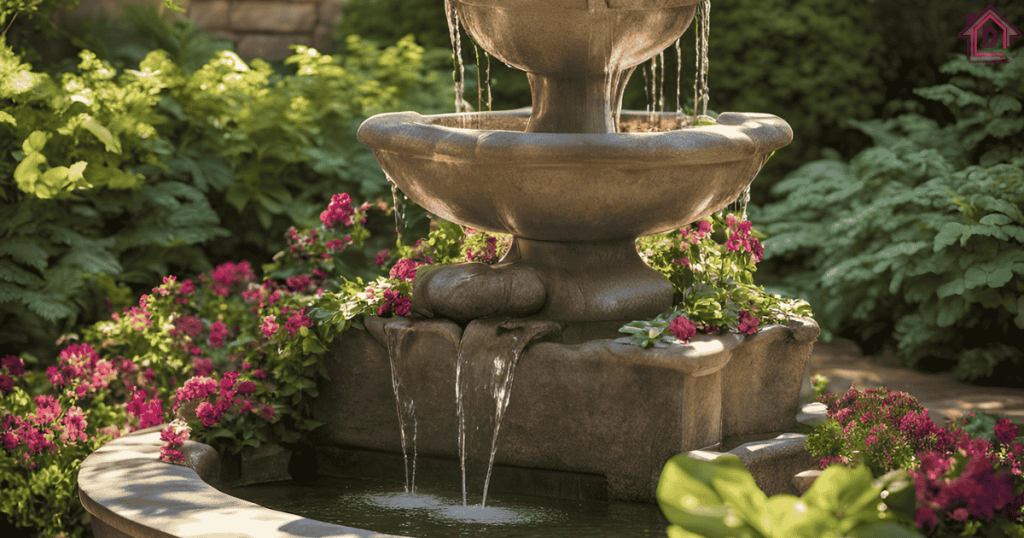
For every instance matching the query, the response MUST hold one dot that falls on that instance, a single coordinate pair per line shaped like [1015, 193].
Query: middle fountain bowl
[575, 203]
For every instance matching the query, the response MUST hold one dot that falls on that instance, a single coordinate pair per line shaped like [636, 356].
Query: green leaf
[996, 219]
[48, 307]
[312, 345]
[25, 251]
[948, 235]
[7, 118]
[884, 529]
[687, 498]
[112, 144]
[1018, 320]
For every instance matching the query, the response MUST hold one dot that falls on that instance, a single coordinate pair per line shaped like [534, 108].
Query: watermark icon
[980, 34]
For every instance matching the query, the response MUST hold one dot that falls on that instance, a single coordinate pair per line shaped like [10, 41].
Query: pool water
[437, 511]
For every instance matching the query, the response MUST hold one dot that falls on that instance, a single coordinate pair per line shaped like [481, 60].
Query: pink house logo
[976, 32]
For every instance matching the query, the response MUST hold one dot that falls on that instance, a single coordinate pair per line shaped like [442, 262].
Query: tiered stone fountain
[584, 408]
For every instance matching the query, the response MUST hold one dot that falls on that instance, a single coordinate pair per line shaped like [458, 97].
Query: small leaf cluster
[918, 241]
[719, 499]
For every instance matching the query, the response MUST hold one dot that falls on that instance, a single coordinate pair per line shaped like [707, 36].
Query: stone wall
[258, 28]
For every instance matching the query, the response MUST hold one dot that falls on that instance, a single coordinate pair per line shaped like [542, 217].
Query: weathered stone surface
[277, 17]
[475, 290]
[210, 14]
[269, 46]
[761, 384]
[323, 37]
[772, 462]
[329, 11]
[600, 408]
[802, 481]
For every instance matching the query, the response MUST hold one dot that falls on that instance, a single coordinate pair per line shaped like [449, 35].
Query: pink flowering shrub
[883, 429]
[965, 486]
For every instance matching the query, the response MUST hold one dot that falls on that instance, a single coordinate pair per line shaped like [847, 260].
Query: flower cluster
[484, 247]
[882, 428]
[339, 211]
[406, 268]
[81, 370]
[10, 366]
[713, 282]
[227, 275]
[977, 486]
[36, 432]
[175, 435]
[740, 238]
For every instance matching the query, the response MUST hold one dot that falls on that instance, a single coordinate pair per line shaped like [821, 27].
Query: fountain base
[595, 287]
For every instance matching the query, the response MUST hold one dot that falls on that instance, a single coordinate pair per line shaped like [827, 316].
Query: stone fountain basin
[482, 170]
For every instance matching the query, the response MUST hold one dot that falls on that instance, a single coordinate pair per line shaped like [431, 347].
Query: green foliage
[918, 240]
[138, 173]
[713, 285]
[719, 499]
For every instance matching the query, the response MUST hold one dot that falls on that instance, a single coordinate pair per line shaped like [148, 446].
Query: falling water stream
[405, 404]
[700, 83]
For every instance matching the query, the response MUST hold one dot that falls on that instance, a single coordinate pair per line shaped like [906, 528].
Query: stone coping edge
[126, 487]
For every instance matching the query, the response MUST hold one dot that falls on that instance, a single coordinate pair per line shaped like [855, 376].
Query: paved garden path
[943, 396]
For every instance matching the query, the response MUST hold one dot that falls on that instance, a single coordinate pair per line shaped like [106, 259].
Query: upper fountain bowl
[575, 37]
[570, 187]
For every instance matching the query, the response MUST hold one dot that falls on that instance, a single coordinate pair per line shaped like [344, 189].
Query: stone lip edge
[758, 454]
[125, 486]
[738, 136]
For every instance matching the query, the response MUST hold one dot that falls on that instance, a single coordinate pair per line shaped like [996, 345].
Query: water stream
[700, 83]
[404, 402]
[459, 70]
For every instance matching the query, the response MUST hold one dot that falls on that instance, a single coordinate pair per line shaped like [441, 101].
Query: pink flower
[745, 228]
[246, 388]
[152, 414]
[55, 376]
[6, 384]
[1006, 432]
[171, 455]
[196, 388]
[47, 409]
[14, 365]
[731, 221]
[757, 249]
[74, 425]
[960, 514]
[394, 300]
[682, 328]
[203, 366]
[297, 320]
[267, 412]
[189, 325]
[405, 270]
[299, 282]
[735, 243]
[269, 326]
[748, 323]
[209, 414]
[684, 262]
[339, 211]
[704, 226]
[871, 440]
[381, 258]
[217, 333]
[925, 516]
[259, 374]
[335, 244]
[228, 274]
[187, 287]
[246, 367]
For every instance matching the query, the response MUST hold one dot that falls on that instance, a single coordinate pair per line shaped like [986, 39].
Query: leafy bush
[918, 240]
[120, 178]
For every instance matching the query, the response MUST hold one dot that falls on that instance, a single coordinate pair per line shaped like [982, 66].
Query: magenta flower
[748, 323]
[74, 425]
[735, 243]
[15, 366]
[297, 320]
[684, 262]
[187, 287]
[196, 388]
[267, 412]
[217, 333]
[203, 367]
[208, 413]
[228, 274]
[6, 384]
[47, 410]
[189, 325]
[1006, 432]
[405, 269]
[246, 388]
[259, 374]
[339, 211]
[381, 258]
[299, 282]
[704, 226]
[682, 328]
[269, 326]
[335, 244]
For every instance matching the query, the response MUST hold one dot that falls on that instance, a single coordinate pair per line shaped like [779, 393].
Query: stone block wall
[265, 28]
[258, 28]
